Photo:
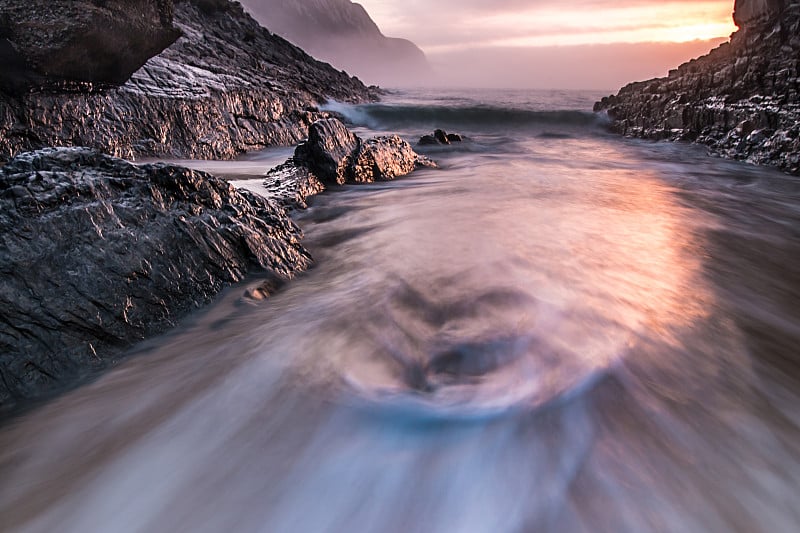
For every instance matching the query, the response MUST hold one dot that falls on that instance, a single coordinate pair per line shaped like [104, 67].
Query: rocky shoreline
[226, 86]
[101, 253]
[742, 100]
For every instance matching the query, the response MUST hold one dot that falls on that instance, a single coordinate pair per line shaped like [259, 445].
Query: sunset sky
[491, 40]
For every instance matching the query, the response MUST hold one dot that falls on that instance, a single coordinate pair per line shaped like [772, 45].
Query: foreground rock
[742, 99]
[225, 87]
[98, 254]
[51, 42]
[333, 155]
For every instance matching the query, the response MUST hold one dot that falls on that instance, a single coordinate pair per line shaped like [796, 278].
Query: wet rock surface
[333, 155]
[55, 41]
[225, 87]
[742, 100]
[440, 137]
[99, 253]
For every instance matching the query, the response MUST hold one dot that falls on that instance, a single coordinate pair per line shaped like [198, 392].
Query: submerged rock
[439, 137]
[225, 87]
[98, 42]
[750, 84]
[99, 253]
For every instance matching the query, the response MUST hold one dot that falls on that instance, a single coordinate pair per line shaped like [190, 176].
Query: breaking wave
[470, 118]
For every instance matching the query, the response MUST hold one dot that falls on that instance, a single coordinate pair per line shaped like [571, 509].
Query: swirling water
[559, 330]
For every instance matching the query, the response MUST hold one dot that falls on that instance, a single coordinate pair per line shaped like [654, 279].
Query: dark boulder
[50, 42]
[99, 253]
[337, 156]
[333, 155]
[440, 137]
[328, 150]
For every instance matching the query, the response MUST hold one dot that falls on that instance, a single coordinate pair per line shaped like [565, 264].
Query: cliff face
[742, 100]
[342, 32]
[225, 87]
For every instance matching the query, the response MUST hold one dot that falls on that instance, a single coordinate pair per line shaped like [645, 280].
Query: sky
[586, 44]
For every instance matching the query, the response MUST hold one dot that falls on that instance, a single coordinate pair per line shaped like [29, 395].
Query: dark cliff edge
[742, 100]
[226, 86]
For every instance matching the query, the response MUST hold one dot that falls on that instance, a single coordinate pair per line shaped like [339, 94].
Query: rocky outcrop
[52, 42]
[342, 33]
[742, 100]
[333, 155]
[99, 253]
[751, 12]
[225, 87]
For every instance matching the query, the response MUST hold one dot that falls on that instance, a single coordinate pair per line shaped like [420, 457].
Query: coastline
[139, 247]
[742, 100]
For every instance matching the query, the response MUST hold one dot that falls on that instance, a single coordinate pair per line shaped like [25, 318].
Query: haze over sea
[558, 330]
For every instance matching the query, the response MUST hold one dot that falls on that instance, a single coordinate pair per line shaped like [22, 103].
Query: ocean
[557, 330]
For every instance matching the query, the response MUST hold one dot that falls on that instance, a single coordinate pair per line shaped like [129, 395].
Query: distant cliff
[342, 33]
[742, 100]
[225, 87]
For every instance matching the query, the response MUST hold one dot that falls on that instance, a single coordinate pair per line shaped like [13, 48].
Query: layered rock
[51, 42]
[742, 100]
[342, 33]
[225, 87]
[333, 155]
[99, 253]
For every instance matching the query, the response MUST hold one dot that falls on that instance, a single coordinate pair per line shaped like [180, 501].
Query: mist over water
[559, 330]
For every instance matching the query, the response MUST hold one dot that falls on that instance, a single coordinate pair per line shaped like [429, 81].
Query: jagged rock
[225, 87]
[382, 159]
[101, 42]
[292, 184]
[439, 137]
[328, 150]
[333, 155]
[99, 253]
[721, 99]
